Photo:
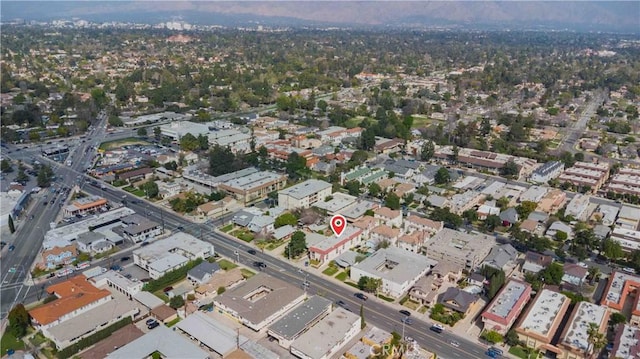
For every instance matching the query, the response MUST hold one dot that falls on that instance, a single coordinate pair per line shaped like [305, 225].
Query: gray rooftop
[137, 224]
[275, 293]
[253, 181]
[89, 237]
[210, 332]
[178, 242]
[507, 298]
[161, 339]
[407, 265]
[328, 333]
[500, 256]
[294, 322]
[148, 300]
[306, 188]
[203, 269]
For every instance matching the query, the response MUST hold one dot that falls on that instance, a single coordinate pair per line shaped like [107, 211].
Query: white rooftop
[210, 332]
[543, 312]
[617, 281]
[585, 313]
[161, 339]
[252, 181]
[507, 298]
[327, 334]
[306, 188]
[177, 242]
[339, 202]
[395, 264]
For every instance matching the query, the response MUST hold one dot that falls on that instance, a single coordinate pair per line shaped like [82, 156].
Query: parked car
[124, 259]
[167, 289]
[341, 303]
[150, 321]
[260, 265]
[153, 325]
[11, 248]
[361, 296]
[437, 328]
[252, 251]
[405, 312]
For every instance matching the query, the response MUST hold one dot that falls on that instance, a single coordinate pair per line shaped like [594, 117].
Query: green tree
[367, 139]
[374, 189]
[21, 176]
[45, 176]
[427, 151]
[491, 222]
[18, 321]
[12, 226]
[157, 132]
[561, 236]
[34, 136]
[512, 338]
[510, 170]
[142, 132]
[150, 189]
[363, 324]
[612, 249]
[189, 142]
[297, 245]
[617, 318]
[353, 187]
[392, 201]
[115, 121]
[5, 166]
[552, 274]
[596, 340]
[442, 176]
[525, 208]
[358, 157]
[470, 215]
[176, 302]
[492, 337]
[295, 164]
[284, 219]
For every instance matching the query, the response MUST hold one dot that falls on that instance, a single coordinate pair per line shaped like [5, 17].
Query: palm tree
[596, 340]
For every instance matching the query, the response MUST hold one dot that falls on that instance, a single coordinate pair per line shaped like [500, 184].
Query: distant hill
[583, 15]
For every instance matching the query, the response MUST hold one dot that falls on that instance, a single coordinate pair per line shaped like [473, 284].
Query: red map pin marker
[338, 224]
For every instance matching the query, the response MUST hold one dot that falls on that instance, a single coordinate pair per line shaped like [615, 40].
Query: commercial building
[626, 343]
[253, 187]
[574, 340]
[163, 340]
[84, 205]
[506, 306]
[547, 172]
[177, 129]
[328, 336]
[74, 297]
[305, 194]
[466, 250]
[298, 320]
[260, 300]
[217, 337]
[592, 175]
[330, 248]
[540, 323]
[170, 253]
[626, 180]
[622, 288]
[398, 269]
[138, 228]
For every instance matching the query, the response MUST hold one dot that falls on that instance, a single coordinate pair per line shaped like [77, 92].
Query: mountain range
[581, 15]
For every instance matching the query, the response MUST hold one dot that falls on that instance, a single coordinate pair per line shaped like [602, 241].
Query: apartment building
[466, 250]
[542, 320]
[622, 288]
[254, 187]
[305, 194]
[593, 175]
[574, 340]
[506, 306]
[547, 172]
[626, 181]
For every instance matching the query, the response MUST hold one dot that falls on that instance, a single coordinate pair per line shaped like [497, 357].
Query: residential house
[168, 189]
[417, 223]
[487, 209]
[626, 342]
[462, 202]
[534, 194]
[443, 275]
[458, 300]
[509, 217]
[501, 257]
[574, 274]
[535, 262]
[558, 226]
[552, 201]
[203, 272]
[391, 218]
[577, 207]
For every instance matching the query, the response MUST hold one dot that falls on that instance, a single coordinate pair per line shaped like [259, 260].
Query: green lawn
[135, 191]
[38, 339]
[421, 121]
[227, 228]
[173, 322]
[342, 276]
[355, 285]
[8, 341]
[243, 234]
[330, 271]
[521, 352]
[386, 299]
[247, 273]
[226, 265]
[160, 294]
[122, 142]
[423, 310]
[411, 304]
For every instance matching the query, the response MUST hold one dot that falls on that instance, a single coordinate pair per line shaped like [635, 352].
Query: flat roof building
[467, 250]
[399, 269]
[506, 306]
[626, 343]
[540, 323]
[163, 340]
[622, 288]
[327, 337]
[574, 340]
[254, 187]
[166, 254]
[329, 248]
[299, 319]
[84, 204]
[260, 300]
[305, 194]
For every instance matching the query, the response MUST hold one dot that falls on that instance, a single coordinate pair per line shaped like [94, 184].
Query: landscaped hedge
[68, 352]
[171, 277]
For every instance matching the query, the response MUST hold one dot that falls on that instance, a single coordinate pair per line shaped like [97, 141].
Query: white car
[454, 344]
